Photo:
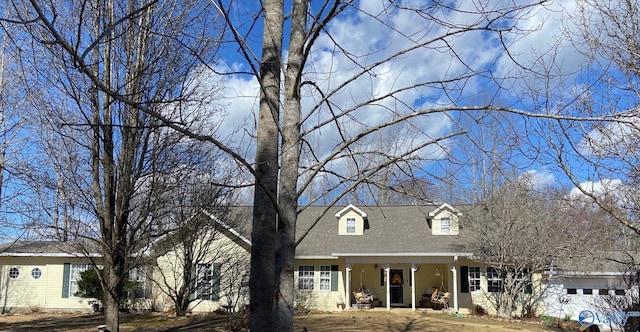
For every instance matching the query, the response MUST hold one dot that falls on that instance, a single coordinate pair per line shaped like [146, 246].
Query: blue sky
[364, 32]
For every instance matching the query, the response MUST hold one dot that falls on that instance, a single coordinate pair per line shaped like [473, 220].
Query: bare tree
[198, 208]
[601, 159]
[196, 264]
[97, 55]
[13, 173]
[310, 25]
[354, 92]
[520, 230]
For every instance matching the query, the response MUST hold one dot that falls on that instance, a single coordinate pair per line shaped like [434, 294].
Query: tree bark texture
[262, 280]
[289, 172]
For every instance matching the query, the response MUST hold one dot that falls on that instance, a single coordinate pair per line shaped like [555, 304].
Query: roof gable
[349, 208]
[443, 207]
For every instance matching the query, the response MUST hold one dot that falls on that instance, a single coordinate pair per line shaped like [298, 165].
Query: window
[603, 291]
[14, 273]
[474, 278]
[619, 292]
[572, 291]
[524, 278]
[325, 278]
[445, 226]
[587, 291]
[351, 225]
[208, 281]
[305, 277]
[36, 273]
[138, 275]
[74, 277]
[494, 283]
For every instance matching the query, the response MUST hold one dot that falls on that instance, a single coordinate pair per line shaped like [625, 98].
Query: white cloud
[600, 189]
[538, 179]
[374, 33]
[615, 139]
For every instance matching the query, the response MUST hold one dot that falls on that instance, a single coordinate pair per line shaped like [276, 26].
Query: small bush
[479, 310]
[35, 309]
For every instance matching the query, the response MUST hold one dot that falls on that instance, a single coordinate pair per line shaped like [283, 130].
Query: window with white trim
[74, 277]
[208, 281]
[140, 278]
[351, 225]
[14, 273]
[445, 226]
[325, 277]
[36, 273]
[305, 277]
[494, 283]
[474, 278]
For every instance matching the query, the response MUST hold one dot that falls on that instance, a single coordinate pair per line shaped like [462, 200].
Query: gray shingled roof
[42, 248]
[393, 229]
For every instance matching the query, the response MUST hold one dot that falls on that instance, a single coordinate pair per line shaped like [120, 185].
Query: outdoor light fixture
[437, 272]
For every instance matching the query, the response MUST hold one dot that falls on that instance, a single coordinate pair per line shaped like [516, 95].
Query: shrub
[35, 309]
[479, 310]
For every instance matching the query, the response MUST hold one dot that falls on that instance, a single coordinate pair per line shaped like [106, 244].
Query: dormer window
[351, 221]
[445, 225]
[444, 220]
[351, 225]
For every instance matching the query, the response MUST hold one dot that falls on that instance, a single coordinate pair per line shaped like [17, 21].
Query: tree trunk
[288, 191]
[111, 301]
[262, 280]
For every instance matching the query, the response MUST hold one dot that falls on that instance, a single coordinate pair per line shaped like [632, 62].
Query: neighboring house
[220, 265]
[398, 253]
[592, 291]
[41, 276]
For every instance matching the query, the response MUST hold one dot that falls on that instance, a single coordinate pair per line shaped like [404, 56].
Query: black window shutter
[215, 288]
[528, 288]
[464, 281]
[65, 280]
[334, 277]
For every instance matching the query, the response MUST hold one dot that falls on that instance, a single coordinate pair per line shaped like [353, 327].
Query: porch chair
[444, 300]
[434, 295]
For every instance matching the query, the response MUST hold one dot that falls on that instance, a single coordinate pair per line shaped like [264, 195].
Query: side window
[208, 281]
[305, 277]
[494, 284]
[325, 278]
[74, 277]
[351, 225]
[14, 273]
[474, 278]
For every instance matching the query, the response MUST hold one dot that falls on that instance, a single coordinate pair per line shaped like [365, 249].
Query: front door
[397, 287]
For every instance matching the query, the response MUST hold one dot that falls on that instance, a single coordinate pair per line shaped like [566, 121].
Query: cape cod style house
[394, 255]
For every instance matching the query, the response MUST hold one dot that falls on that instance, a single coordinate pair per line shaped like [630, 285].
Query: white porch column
[414, 268]
[348, 286]
[387, 271]
[454, 270]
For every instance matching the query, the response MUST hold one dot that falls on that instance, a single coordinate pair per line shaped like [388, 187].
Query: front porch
[399, 285]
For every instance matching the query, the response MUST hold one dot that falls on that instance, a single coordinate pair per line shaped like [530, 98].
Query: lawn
[354, 320]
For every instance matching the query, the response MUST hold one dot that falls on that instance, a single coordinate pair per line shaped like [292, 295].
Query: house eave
[315, 257]
[404, 254]
[587, 274]
[46, 254]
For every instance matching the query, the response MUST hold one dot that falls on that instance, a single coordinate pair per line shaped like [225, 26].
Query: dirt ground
[353, 320]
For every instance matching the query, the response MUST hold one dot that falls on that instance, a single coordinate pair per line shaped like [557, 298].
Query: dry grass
[353, 320]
